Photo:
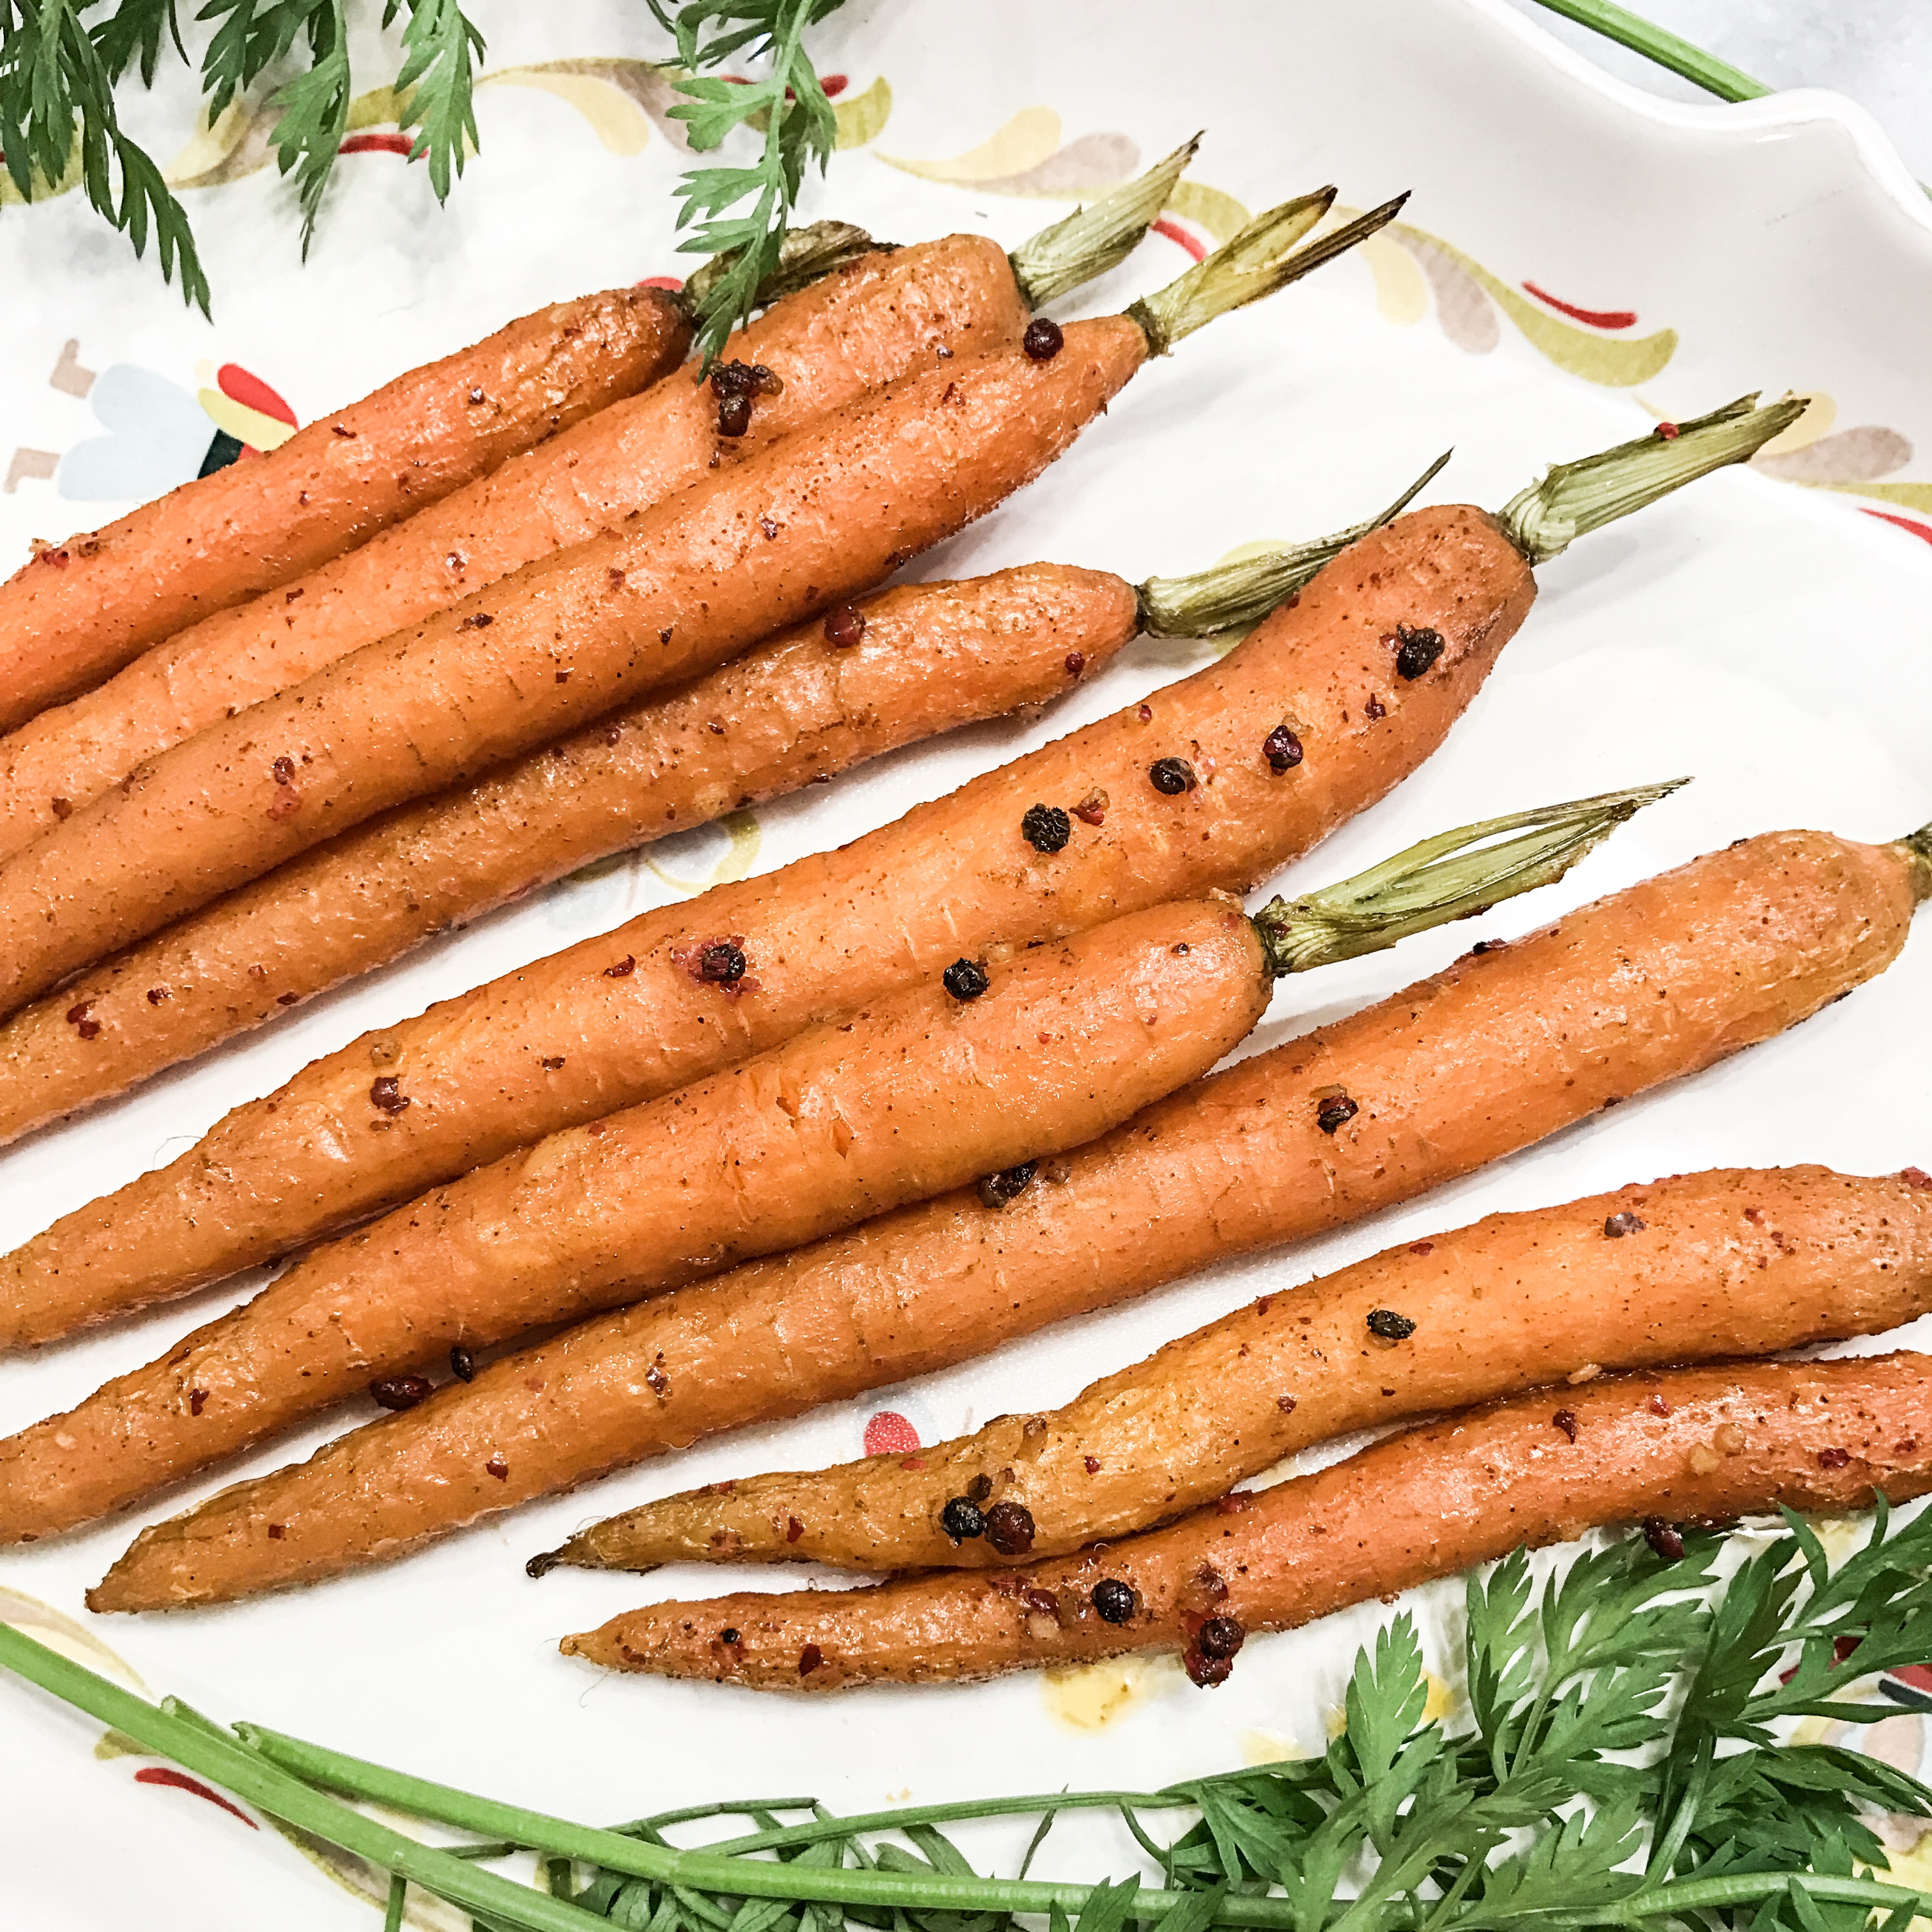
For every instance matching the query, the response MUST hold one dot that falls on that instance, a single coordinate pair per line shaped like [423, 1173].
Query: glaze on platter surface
[1577, 259]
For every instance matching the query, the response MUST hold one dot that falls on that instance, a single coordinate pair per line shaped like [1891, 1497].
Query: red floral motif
[1923, 532]
[179, 1780]
[1596, 318]
[377, 144]
[1174, 232]
[889, 1433]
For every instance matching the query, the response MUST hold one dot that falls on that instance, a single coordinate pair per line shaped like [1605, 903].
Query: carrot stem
[806, 255]
[1573, 499]
[1258, 261]
[1455, 875]
[1917, 847]
[1090, 241]
[1231, 596]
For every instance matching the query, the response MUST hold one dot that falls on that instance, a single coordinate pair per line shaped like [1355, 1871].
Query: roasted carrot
[1700, 1444]
[914, 1095]
[80, 610]
[908, 1292]
[1506, 1047]
[1274, 736]
[875, 318]
[813, 518]
[1693, 1268]
[928, 657]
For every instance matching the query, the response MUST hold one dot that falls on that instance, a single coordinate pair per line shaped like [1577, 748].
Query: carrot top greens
[1621, 1764]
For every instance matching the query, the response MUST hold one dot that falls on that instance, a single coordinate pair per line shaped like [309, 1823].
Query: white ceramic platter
[1575, 255]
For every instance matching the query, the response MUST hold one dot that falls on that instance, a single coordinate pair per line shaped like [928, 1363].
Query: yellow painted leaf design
[1031, 137]
[11, 197]
[1220, 214]
[61, 1632]
[1401, 294]
[610, 93]
[380, 107]
[235, 146]
[742, 829]
[863, 118]
[1616, 362]
[1906, 495]
[1821, 411]
[244, 425]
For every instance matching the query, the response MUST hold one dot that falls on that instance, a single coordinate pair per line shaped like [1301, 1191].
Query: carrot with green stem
[1211, 783]
[1688, 1445]
[986, 1072]
[815, 517]
[80, 610]
[914, 661]
[1693, 1267]
[855, 316]
[1512, 1044]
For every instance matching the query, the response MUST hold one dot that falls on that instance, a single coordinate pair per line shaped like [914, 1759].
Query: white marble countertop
[1878, 52]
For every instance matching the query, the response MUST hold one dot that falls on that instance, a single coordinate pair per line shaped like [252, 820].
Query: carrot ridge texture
[830, 931]
[1501, 1050]
[909, 1097]
[1697, 1444]
[879, 318]
[80, 610]
[796, 710]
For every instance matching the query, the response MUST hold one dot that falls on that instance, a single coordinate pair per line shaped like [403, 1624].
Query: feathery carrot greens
[1620, 1766]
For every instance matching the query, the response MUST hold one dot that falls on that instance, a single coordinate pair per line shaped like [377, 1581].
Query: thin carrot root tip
[1262, 258]
[1574, 498]
[1449, 877]
[1090, 241]
[1231, 596]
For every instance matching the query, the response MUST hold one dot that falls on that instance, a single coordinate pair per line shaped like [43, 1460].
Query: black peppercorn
[999, 1190]
[730, 1638]
[721, 963]
[980, 1487]
[1663, 1538]
[965, 979]
[1172, 776]
[1114, 1601]
[1617, 1226]
[734, 416]
[1282, 749]
[1009, 1528]
[1046, 828]
[400, 1391]
[462, 1363]
[1335, 1112]
[1042, 340]
[1416, 650]
[1389, 1325]
[386, 1093]
[961, 1518]
[1219, 1637]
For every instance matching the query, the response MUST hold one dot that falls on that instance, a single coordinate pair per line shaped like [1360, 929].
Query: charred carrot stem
[1916, 847]
[1573, 499]
[1090, 241]
[1455, 875]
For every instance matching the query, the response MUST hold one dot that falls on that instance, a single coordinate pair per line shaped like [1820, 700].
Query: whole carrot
[878, 315]
[908, 1292]
[914, 661]
[81, 610]
[927, 1082]
[1703, 1444]
[815, 517]
[1696, 1268]
[1211, 784]
[910, 1096]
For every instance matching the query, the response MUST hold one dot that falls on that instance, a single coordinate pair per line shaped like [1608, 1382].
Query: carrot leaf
[1616, 1767]
[788, 107]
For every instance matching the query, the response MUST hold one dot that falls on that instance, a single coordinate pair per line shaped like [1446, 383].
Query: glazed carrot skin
[1696, 1268]
[911, 1097]
[815, 517]
[80, 610]
[1505, 1048]
[881, 317]
[932, 656]
[1702, 1445]
[833, 931]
